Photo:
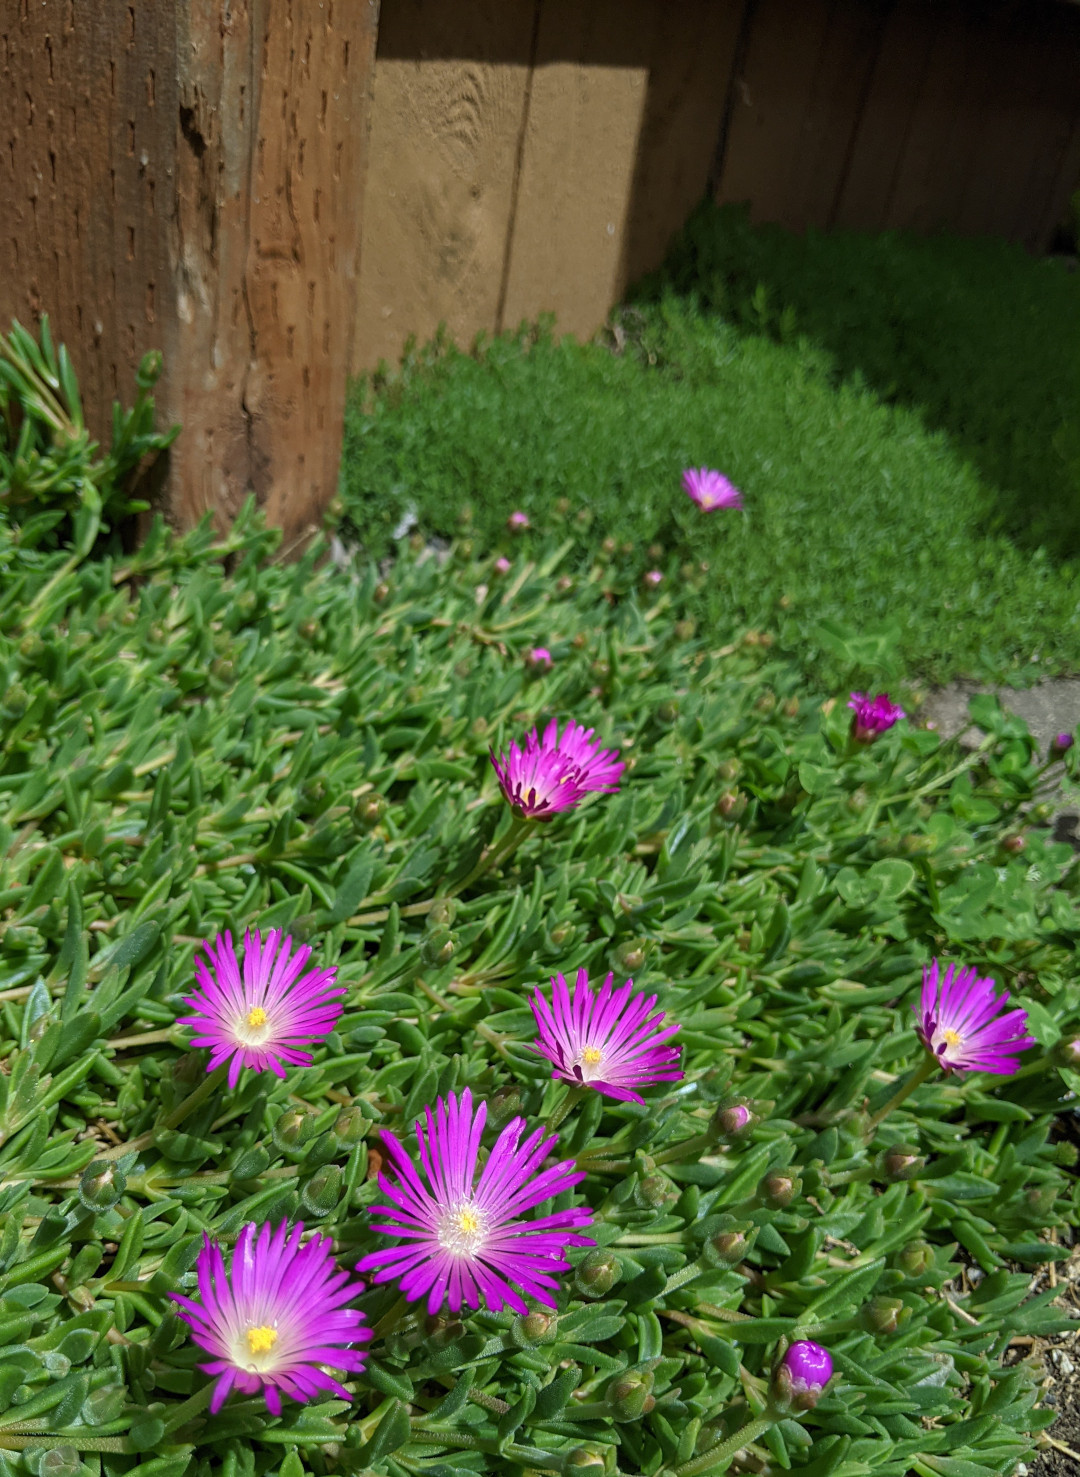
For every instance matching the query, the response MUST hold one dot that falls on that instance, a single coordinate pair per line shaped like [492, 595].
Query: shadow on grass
[985, 347]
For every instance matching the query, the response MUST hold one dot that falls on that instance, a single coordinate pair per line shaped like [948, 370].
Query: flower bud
[1014, 844]
[501, 566]
[652, 579]
[60, 1461]
[465, 515]
[561, 934]
[729, 1246]
[607, 548]
[223, 670]
[685, 630]
[778, 1189]
[1066, 1052]
[562, 506]
[655, 552]
[1061, 744]
[883, 1315]
[101, 1185]
[539, 659]
[442, 913]
[733, 1120]
[293, 1131]
[630, 955]
[597, 1274]
[667, 712]
[900, 1162]
[534, 1328]
[791, 708]
[464, 549]
[858, 800]
[1039, 1199]
[438, 948]
[350, 1127]
[915, 1259]
[369, 811]
[322, 1191]
[626, 549]
[518, 521]
[149, 370]
[16, 701]
[801, 1376]
[653, 1192]
[381, 593]
[630, 1395]
[731, 805]
[585, 1459]
[564, 584]
[32, 648]
[417, 542]
[503, 1104]
[308, 630]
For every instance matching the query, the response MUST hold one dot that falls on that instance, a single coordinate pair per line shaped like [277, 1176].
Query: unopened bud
[915, 1259]
[1014, 844]
[381, 593]
[533, 1329]
[1066, 1052]
[729, 1246]
[580, 641]
[731, 805]
[607, 548]
[778, 1189]
[369, 811]
[630, 1395]
[101, 1186]
[858, 800]
[597, 1274]
[350, 1127]
[733, 1120]
[1039, 1199]
[685, 630]
[630, 955]
[652, 579]
[438, 948]
[883, 1315]
[653, 1192]
[564, 584]
[791, 707]
[31, 647]
[16, 701]
[667, 712]
[901, 1162]
[539, 659]
[501, 566]
[801, 1376]
[223, 670]
[503, 1104]
[442, 913]
[1061, 744]
[562, 506]
[589, 1459]
[518, 521]
[293, 1130]
[59, 1461]
[561, 934]
[322, 1191]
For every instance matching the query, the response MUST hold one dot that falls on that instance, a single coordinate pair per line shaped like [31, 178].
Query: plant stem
[494, 856]
[917, 1078]
[210, 1083]
[718, 1457]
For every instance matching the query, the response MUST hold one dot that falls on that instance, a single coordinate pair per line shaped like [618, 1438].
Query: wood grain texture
[87, 123]
[274, 111]
[451, 85]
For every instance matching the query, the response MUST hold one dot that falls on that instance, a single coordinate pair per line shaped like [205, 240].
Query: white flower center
[254, 1028]
[590, 1063]
[946, 1040]
[462, 1231]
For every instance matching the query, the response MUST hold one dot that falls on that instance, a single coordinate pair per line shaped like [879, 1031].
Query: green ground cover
[193, 739]
[891, 407]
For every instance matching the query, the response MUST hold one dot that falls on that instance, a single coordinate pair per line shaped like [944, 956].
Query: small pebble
[1062, 1363]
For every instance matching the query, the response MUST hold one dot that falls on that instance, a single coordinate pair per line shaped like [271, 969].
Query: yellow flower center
[257, 1017]
[261, 1340]
[462, 1230]
[952, 1038]
[468, 1222]
[591, 1055]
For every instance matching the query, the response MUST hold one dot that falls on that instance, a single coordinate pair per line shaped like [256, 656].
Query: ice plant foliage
[609, 1040]
[710, 489]
[261, 1015]
[553, 773]
[463, 1238]
[965, 1026]
[276, 1317]
[873, 715]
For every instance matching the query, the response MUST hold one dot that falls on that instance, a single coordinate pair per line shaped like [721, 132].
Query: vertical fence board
[273, 148]
[87, 114]
[451, 84]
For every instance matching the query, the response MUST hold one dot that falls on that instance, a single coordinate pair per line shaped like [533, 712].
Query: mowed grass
[889, 407]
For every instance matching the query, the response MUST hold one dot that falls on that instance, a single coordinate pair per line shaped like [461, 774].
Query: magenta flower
[710, 490]
[873, 715]
[1061, 744]
[462, 1239]
[518, 521]
[962, 1026]
[653, 579]
[539, 659]
[801, 1376]
[607, 1041]
[551, 773]
[275, 1318]
[260, 1020]
[502, 565]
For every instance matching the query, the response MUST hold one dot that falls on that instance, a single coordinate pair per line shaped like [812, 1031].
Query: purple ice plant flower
[1061, 744]
[605, 1040]
[539, 659]
[518, 521]
[873, 715]
[464, 1238]
[276, 1317]
[502, 565]
[260, 1018]
[553, 773]
[960, 1022]
[710, 489]
[802, 1375]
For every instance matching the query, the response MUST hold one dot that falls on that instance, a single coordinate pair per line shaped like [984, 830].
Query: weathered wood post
[188, 175]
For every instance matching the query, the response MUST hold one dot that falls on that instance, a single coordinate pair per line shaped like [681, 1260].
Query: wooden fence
[278, 192]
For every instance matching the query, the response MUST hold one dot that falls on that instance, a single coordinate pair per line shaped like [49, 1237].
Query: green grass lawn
[888, 405]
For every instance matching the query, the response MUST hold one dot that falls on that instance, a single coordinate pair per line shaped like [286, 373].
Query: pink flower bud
[652, 580]
[501, 565]
[801, 1376]
[518, 521]
[1061, 744]
[539, 659]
